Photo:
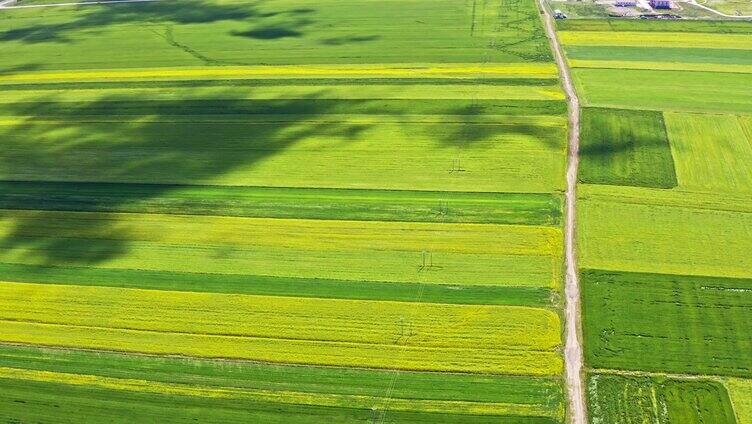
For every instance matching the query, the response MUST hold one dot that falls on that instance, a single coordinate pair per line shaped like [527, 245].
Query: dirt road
[573, 347]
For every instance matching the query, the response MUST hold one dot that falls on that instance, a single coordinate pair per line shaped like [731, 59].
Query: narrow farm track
[573, 356]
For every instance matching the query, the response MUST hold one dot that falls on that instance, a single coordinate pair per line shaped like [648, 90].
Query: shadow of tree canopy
[92, 18]
[128, 140]
[338, 41]
[469, 132]
[194, 139]
[269, 33]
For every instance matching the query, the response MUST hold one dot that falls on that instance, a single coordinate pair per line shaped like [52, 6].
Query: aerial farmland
[361, 211]
[665, 218]
[281, 211]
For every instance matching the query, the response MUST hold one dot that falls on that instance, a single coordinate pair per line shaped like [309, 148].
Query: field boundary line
[573, 357]
[83, 3]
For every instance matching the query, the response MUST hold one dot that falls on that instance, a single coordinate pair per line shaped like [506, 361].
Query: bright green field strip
[712, 152]
[318, 149]
[666, 39]
[623, 147]
[365, 205]
[459, 90]
[346, 391]
[673, 55]
[278, 286]
[741, 397]
[659, 400]
[461, 254]
[673, 239]
[707, 26]
[358, 333]
[677, 198]
[701, 330]
[277, 32]
[665, 90]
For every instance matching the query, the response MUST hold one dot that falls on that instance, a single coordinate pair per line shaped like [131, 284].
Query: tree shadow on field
[115, 139]
[469, 128]
[93, 19]
[338, 41]
[269, 33]
[165, 142]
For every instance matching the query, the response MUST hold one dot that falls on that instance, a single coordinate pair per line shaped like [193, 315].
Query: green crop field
[623, 147]
[281, 212]
[184, 389]
[233, 32]
[698, 329]
[712, 152]
[352, 211]
[666, 90]
[665, 217]
[649, 236]
[626, 399]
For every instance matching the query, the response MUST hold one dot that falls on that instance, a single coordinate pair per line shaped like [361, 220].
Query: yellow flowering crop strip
[377, 334]
[459, 70]
[477, 254]
[662, 39]
[277, 396]
[305, 233]
[661, 66]
[740, 392]
[344, 90]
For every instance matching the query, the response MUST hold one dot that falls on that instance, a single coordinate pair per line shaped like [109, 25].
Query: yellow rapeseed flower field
[476, 254]
[459, 70]
[663, 39]
[661, 66]
[379, 334]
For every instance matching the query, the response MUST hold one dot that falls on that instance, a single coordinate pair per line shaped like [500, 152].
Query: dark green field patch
[667, 323]
[25, 400]
[277, 286]
[270, 202]
[632, 399]
[661, 54]
[623, 147]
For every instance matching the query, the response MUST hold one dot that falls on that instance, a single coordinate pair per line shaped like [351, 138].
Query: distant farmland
[281, 212]
[665, 223]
